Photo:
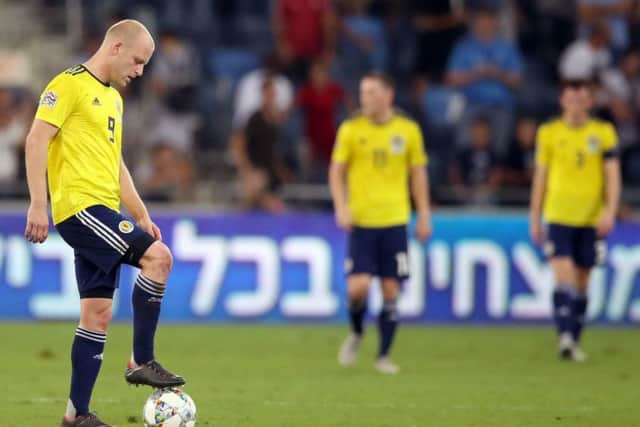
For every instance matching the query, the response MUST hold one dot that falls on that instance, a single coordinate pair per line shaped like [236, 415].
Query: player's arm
[338, 187]
[134, 204]
[36, 151]
[612, 184]
[420, 194]
[419, 182]
[338, 176]
[544, 153]
[613, 187]
[538, 190]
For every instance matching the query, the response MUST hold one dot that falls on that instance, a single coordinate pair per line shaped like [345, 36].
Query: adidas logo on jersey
[96, 101]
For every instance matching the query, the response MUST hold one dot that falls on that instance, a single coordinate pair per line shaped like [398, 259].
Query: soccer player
[376, 153]
[75, 139]
[576, 188]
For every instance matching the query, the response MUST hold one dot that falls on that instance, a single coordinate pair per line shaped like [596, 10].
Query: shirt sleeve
[609, 141]
[543, 148]
[57, 101]
[417, 155]
[342, 148]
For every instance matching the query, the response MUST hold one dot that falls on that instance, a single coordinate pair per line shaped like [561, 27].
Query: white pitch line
[48, 400]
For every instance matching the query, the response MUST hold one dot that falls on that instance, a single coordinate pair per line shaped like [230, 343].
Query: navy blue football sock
[86, 358]
[357, 311]
[387, 323]
[578, 314]
[146, 299]
[562, 297]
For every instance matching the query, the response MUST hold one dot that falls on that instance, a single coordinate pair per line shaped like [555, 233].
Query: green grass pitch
[267, 376]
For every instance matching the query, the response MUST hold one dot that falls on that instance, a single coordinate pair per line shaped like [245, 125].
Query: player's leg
[357, 291]
[359, 266]
[558, 248]
[87, 352]
[564, 272]
[394, 267]
[588, 253]
[387, 324]
[97, 274]
[579, 311]
[147, 297]
[148, 292]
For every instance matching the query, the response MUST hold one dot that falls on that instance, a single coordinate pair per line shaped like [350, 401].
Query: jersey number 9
[111, 126]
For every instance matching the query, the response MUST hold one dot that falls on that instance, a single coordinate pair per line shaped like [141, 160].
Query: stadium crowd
[242, 98]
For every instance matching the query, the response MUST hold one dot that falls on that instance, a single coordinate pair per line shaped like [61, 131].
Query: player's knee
[100, 319]
[390, 289]
[357, 288]
[159, 259]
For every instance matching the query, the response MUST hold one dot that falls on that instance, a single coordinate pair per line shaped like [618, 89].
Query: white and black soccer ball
[170, 407]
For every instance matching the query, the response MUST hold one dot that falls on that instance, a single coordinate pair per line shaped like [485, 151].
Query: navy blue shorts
[102, 239]
[380, 252]
[579, 243]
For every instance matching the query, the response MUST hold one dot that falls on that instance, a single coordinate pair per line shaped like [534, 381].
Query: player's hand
[535, 231]
[37, 228]
[150, 227]
[605, 225]
[423, 228]
[344, 219]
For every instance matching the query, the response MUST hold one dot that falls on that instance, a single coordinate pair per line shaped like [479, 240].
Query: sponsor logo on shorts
[49, 99]
[125, 227]
[99, 356]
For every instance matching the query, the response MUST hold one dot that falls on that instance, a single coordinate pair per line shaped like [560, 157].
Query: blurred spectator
[519, 163]
[175, 72]
[622, 83]
[169, 174]
[304, 30]
[616, 15]
[621, 90]
[474, 173]
[363, 46]
[553, 29]
[248, 97]
[136, 123]
[487, 68]
[438, 24]
[255, 155]
[320, 98]
[13, 130]
[587, 58]
[90, 44]
[177, 130]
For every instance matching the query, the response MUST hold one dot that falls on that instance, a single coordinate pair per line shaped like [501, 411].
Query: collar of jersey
[94, 76]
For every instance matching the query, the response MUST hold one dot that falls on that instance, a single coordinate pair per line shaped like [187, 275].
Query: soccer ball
[170, 407]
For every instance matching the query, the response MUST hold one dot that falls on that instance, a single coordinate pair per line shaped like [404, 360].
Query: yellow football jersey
[575, 159]
[379, 158]
[84, 156]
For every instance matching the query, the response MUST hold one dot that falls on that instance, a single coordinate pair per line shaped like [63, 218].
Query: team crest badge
[397, 144]
[593, 144]
[125, 227]
[49, 99]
